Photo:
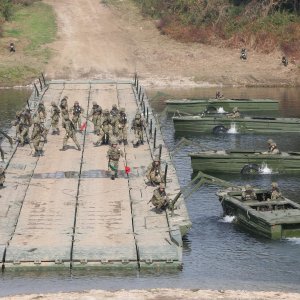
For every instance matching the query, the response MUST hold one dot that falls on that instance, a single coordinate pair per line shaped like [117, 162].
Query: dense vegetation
[258, 24]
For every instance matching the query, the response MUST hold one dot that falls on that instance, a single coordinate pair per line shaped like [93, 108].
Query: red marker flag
[127, 170]
[83, 126]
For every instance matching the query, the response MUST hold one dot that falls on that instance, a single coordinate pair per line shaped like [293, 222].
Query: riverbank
[161, 294]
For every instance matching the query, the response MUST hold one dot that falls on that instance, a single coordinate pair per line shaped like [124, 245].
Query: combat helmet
[138, 115]
[162, 186]
[113, 141]
[76, 103]
[53, 103]
[248, 187]
[270, 141]
[122, 109]
[274, 185]
[235, 109]
[94, 103]
[156, 158]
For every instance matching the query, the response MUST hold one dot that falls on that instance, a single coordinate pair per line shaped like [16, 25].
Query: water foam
[232, 129]
[264, 169]
[221, 110]
[294, 240]
[227, 219]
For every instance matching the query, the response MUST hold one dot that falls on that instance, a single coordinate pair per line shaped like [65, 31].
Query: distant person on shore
[244, 55]
[284, 61]
[219, 95]
[12, 48]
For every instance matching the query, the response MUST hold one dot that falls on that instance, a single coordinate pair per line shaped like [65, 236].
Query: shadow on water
[217, 253]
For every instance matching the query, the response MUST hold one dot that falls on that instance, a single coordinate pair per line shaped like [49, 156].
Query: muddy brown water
[217, 254]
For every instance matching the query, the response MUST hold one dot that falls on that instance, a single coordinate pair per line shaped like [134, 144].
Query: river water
[217, 254]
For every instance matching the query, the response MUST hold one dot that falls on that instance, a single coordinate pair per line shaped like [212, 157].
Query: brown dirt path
[104, 41]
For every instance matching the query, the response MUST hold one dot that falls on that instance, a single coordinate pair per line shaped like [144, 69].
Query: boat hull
[245, 162]
[247, 105]
[198, 124]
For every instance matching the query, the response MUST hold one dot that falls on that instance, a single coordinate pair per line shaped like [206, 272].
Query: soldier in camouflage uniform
[154, 173]
[122, 130]
[235, 114]
[114, 110]
[113, 154]
[275, 192]
[64, 102]
[41, 112]
[95, 110]
[160, 199]
[16, 123]
[36, 137]
[98, 121]
[248, 193]
[64, 114]
[55, 115]
[114, 121]
[106, 132]
[70, 133]
[2, 177]
[24, 125]
[77, 111]
[10, 141]
[272, 147]
[138, 125]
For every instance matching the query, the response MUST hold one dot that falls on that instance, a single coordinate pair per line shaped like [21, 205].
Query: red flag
[83, 126]
[127, 170]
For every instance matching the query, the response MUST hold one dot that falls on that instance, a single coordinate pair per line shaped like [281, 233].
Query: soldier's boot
[116, 174]
[78, 147]
[112, 177]
[41, 152]
[64, 148]
[36, 153]
[57, 131]
[1, 186]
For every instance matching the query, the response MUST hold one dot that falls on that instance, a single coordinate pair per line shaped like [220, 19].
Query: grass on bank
[31, 28]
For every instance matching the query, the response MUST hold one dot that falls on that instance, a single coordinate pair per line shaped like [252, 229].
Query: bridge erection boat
[245, 162]
[213, 105]
[223, 124]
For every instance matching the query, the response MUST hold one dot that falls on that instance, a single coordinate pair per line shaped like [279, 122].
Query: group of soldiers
[249, 194]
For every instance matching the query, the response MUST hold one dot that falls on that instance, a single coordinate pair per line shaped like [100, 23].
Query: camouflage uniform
[272, 147]
[41, 112]
[160, 200]
[154, 173]
[70, 133]
[106, 131]
[113, 155]
[55, 115]
[248, 194]
[10, 141]
[24, 125]
[115, 124]
[94, 114]
[98, 121]
[16, 123]
[64, 115]
[64, 102]
[275, 193]
[114, 110]
[138, 125]
[77, 110]
[235, 114]
[36, 136]
[122, 130]
[2, 177]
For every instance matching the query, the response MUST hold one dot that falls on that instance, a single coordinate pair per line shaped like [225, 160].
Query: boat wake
[221, 110]
[293, 240]
[227, 219]
[232, 129]
[264, 169]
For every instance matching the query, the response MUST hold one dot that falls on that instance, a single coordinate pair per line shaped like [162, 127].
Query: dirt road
[96, 40]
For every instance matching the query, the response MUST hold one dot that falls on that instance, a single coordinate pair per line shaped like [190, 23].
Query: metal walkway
[62, 210]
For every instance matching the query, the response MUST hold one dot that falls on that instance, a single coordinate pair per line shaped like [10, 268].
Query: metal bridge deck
[62, 210]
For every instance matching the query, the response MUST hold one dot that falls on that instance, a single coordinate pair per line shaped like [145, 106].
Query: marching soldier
[113, 154]
[24, 125]
[95, 111]
[64, 113]
[138, 125]
[154, 173]
[122, 132]
[115, 124]
[10, 141]
[2, 177]
[64, 102]
[106, 131]
[41, 112]
[70, 133]
[114, 110]
[248, 193]
[77, 110]
[36, 137]
[55, 115]
[16, 123]
[160, 199]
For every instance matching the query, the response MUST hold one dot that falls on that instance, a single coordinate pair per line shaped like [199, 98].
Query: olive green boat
[274, 219]
[245, 162]
[223, 124]
[245, 105]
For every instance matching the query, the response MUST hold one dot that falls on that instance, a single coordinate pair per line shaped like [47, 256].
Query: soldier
[106, 132]
[284, 61]
[55, 115]
[41, 112]
[36, 137]
[64, 102]
[138, 125]
[160, 199]
[70, 133]
[114, 110]
[2, 177]
[64, 113]
[154, 173]
[24, 125]
[94, 113]
[16, 123]
[243, 54]
[122, 132]
[113, 154]
[77, 110]
[115, 124]
[272, 147]
[10, 141]
[219, 95]
[97, 120]
[275, 192]
[235, 114]
[248, 193]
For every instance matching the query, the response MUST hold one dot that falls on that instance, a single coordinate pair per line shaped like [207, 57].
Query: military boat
[245, 162]
[223, 124]
[274, 219]
[214, 105]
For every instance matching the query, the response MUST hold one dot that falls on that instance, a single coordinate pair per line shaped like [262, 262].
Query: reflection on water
[217, 253]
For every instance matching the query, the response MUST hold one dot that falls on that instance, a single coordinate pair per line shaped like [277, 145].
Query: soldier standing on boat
[77, 111]
[70, 133]
[95, 111]
[36, 137]
[248, 193]
[160, 199]
[122, 130]
[2, 177]
[113, 154]
[10, 141]
[55, 115]
[154, 173]
[272, 147]
[275, 192]
[138, 125]
[235, 114]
